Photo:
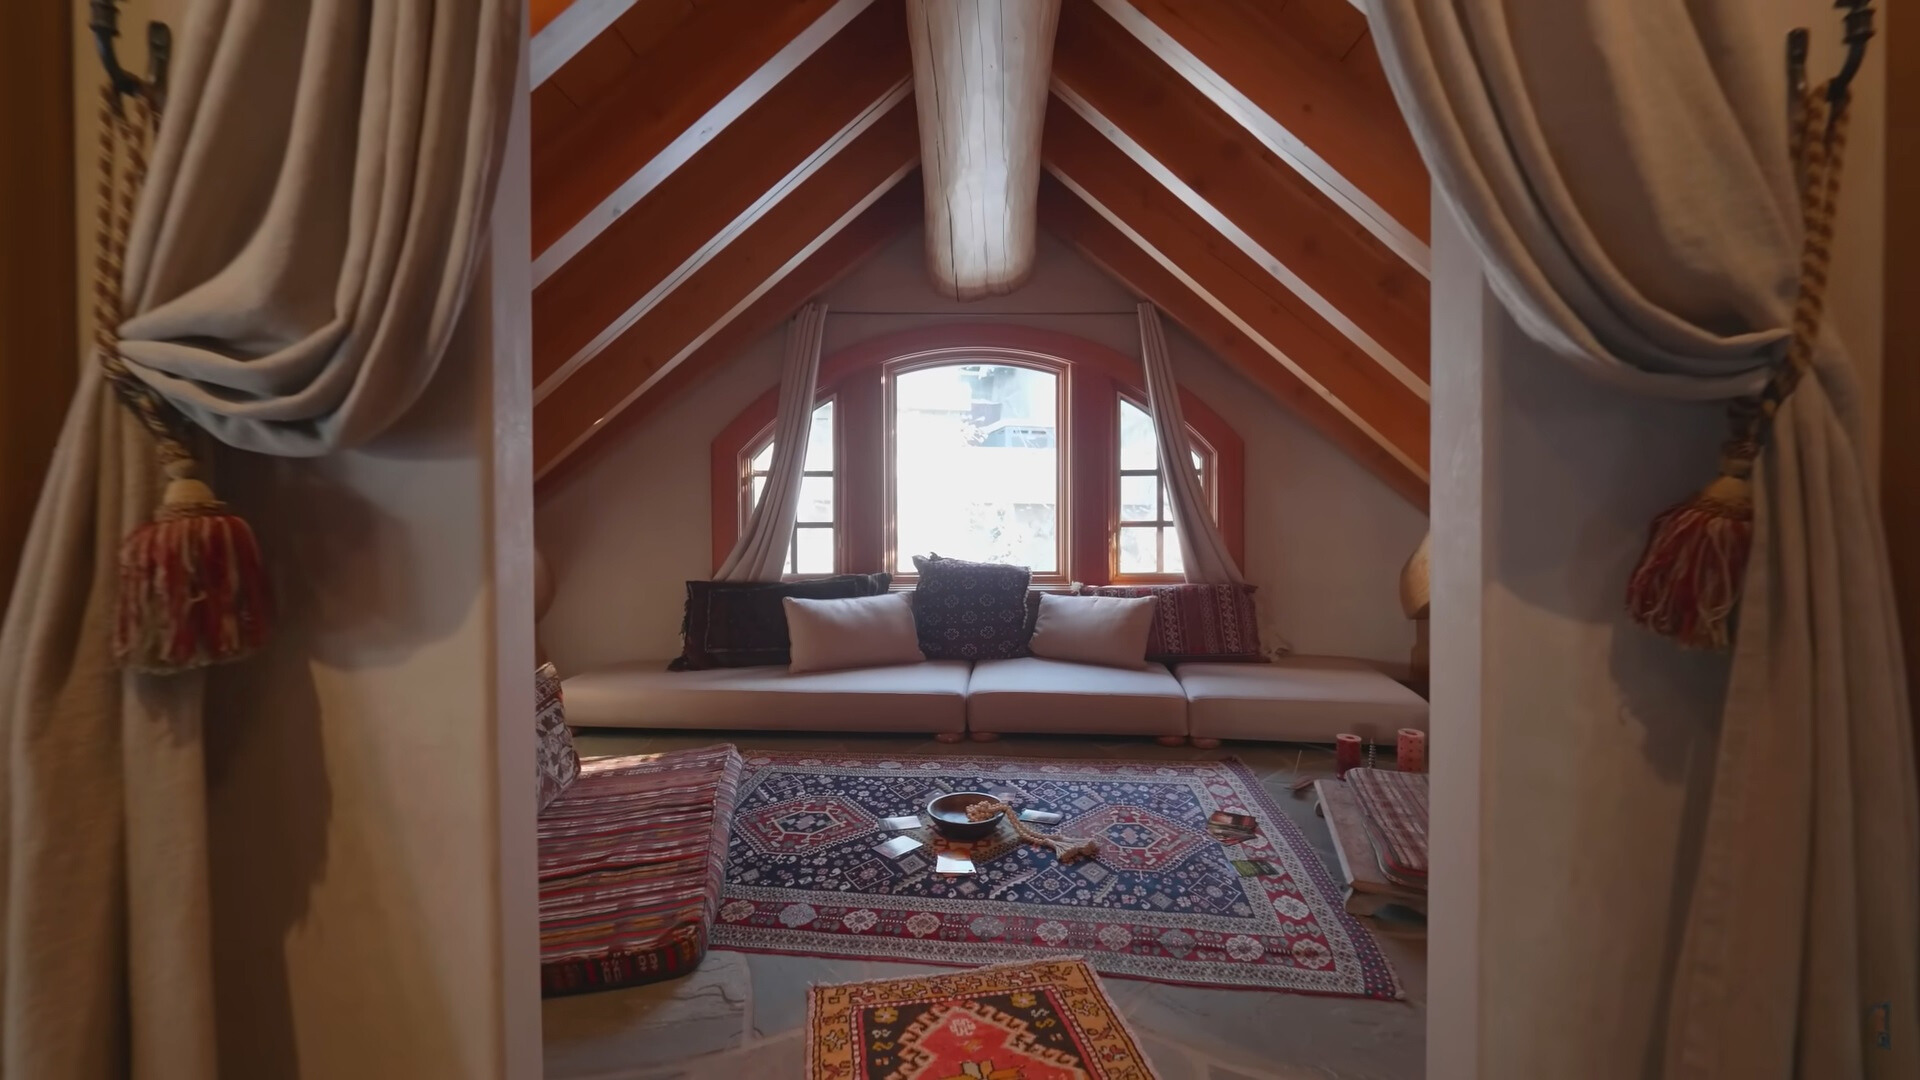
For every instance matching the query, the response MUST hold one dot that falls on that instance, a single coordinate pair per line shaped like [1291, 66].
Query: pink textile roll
[1411, 753]
[1346, 753]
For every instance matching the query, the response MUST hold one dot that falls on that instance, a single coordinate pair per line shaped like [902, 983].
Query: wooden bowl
[949, 815]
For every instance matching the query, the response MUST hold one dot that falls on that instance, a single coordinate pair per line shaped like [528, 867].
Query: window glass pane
[819, 445]
[820, 440]
[1138, 449]
[816, 499]
[976, 465]
[815, 551]
[1138, 554]
[1171, 561]
[759, 485]
[1136, 498]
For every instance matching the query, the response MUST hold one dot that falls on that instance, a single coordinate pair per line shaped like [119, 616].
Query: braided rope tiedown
[1068, 848]
[1690, 576]
[192, 587]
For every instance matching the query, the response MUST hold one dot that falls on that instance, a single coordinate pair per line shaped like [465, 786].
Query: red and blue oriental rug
[1042, 1020]
[1163, 900]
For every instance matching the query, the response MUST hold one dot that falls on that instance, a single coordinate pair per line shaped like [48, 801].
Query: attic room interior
[1038, 539]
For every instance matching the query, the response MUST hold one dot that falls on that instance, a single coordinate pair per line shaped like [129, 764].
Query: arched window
[1149, 540]
[1003, 444]
[974, 464]
[814, 548]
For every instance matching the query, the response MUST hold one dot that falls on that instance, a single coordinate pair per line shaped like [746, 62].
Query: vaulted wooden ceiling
[702, 167]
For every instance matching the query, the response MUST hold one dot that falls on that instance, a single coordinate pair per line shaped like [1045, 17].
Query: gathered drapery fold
[761, 552]
[313, 220]
[1623, 171]
[1203, 550]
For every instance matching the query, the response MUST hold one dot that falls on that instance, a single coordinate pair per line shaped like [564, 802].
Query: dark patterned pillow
[971, 610]
[742, 624]
[558, 763]
[1197, 622]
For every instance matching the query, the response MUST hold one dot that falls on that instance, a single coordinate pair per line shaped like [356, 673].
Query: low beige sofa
[1295, 699]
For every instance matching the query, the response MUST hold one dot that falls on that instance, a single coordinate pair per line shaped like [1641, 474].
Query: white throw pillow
[862, 631]
[1109, 630]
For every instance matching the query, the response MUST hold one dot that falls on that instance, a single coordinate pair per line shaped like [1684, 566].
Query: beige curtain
[1203, 551]
[1623, 170]
[761, 552]
[309, 231]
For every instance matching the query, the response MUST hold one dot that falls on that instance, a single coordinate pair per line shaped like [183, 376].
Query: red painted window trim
[1097, 376]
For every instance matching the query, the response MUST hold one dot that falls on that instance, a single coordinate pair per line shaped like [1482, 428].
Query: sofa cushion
[1056, 696]
[928, 697]
[1297, 699]
[1109, 630]
[742, 624]
[1197, 622]
[860, 631]
[970, 610]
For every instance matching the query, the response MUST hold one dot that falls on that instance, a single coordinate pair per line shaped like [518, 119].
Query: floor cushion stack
[631, 861]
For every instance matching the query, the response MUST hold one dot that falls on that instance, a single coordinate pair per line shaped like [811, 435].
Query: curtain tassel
[1690, 574]
[193, 587]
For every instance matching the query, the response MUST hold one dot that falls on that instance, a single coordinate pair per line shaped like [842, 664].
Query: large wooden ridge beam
[980, 71]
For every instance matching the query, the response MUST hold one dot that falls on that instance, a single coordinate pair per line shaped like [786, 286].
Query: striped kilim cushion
[1395, 806]
[631, 858]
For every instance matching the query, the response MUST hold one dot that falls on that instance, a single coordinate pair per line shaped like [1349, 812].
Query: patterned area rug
[1163, 900]
[1042, 1020]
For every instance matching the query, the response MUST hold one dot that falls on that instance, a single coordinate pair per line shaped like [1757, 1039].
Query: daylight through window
[812, 549]
[976, 465]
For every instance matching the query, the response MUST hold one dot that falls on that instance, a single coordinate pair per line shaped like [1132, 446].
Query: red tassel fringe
[193, 592]
[1690, 576]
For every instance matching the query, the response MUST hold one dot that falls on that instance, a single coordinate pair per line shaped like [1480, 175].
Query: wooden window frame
[1210, 484]
[743, 493]
[1095, 377]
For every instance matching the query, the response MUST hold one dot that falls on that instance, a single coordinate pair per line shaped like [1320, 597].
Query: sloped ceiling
[702, 167]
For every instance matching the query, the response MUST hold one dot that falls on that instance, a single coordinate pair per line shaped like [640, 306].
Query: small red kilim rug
[1042, 1020]
[1163, 900]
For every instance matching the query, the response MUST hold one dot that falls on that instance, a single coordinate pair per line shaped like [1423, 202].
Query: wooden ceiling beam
[981, 66]
[1079, 224]
[890, 217]
[613, 121]
[1305, 78]
[1197, 152]
[1290, 333]
[728, 284]
[635, 263]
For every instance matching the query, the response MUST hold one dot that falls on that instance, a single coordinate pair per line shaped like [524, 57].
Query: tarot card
[901, 823]
[1041, 817]
[947, 862]
[1231, 828]
[1256, 868]
[897, 846]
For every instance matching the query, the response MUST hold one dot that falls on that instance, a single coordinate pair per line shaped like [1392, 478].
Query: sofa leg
[985, 736]
[1206, 744]
[1172, 740]
[949, 737]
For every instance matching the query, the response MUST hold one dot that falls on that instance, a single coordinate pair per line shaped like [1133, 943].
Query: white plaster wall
[626, 529]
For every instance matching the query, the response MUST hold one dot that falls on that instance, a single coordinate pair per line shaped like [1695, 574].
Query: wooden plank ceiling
[702, 167]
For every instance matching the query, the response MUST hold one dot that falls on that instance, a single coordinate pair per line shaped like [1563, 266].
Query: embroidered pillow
[742, 624]
[971, 610]
[558, 763]
[1197, 622]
